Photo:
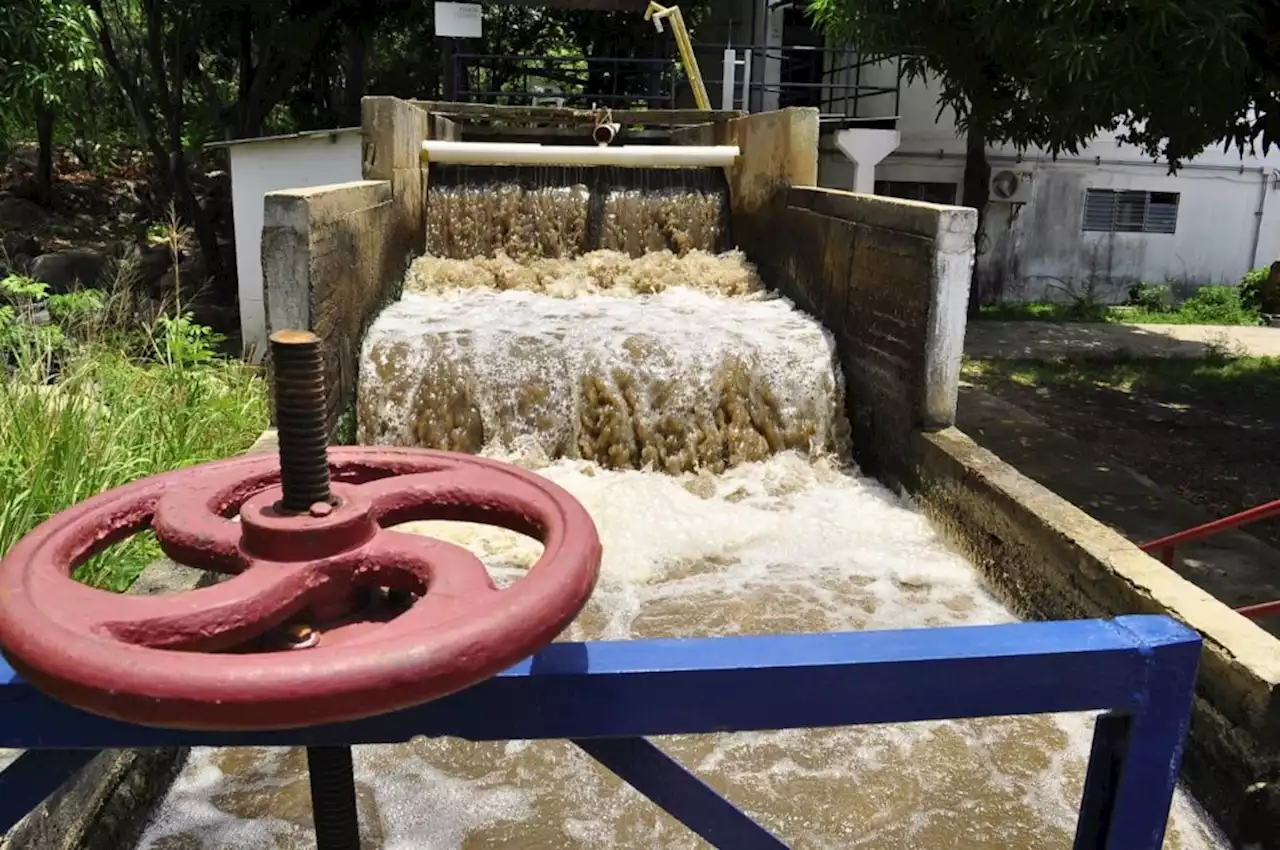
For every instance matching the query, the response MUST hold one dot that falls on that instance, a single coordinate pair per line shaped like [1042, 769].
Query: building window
[1112, 211]
[912, 190]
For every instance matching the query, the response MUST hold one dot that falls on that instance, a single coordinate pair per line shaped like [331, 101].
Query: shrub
[1149, 296]
[1218, 305]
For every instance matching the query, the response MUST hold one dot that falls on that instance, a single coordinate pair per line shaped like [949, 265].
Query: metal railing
[1166, 547]
[844, 85]
[648, 82]
[604, 697]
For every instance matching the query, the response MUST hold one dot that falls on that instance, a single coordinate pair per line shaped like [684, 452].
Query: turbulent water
[603, 374]
[602, 272]
[537, 216]
[683, 382]
[783, 545]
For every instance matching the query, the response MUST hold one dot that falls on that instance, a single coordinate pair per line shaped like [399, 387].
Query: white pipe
[728, 69]
[603, 133]
[627, 156]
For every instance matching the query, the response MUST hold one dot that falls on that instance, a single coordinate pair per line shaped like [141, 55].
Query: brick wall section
[890, 280]
[1048, 559]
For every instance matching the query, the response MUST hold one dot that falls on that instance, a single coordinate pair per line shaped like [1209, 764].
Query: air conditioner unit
[1010, 186]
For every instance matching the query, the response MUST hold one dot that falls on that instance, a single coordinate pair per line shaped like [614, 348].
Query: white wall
[1038, 250]
[265, 165]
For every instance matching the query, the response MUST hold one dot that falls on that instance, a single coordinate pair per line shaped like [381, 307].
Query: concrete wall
[1048, 559]
[265, 165]
[333, 256]
[888, 278]
[1038, 250]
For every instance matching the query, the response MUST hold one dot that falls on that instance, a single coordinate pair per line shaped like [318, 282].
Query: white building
[1101, 219]
[1091, 223]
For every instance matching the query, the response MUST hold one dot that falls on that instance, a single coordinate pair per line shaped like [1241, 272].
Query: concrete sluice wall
[790, 541]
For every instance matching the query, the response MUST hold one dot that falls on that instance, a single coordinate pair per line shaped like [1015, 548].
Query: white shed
[266, 164]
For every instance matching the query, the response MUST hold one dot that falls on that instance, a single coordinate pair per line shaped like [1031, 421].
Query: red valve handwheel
[198, 660]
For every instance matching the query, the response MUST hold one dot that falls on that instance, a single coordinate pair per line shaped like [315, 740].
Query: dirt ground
[1208, 430]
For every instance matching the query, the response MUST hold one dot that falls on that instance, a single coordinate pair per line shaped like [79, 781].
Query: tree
[1171, 76]
[159, 53]
[46, 52]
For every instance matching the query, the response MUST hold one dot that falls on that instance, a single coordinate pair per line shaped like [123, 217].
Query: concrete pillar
[865, 149]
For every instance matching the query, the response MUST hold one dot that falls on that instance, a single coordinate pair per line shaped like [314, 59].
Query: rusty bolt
[302, 636]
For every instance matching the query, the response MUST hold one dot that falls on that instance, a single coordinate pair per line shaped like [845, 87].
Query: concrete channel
[888, 279]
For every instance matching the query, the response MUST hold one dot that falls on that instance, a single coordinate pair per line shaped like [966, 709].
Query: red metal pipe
[1261, 609]
[1166, 546]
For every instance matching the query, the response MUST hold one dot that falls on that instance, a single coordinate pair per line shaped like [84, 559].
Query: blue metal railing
[606, 697]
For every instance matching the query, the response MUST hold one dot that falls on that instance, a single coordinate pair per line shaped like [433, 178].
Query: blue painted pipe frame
[607, 696]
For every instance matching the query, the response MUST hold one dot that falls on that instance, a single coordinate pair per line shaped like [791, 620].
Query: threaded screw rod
[298, 383]
[300, 419]
[333, 798]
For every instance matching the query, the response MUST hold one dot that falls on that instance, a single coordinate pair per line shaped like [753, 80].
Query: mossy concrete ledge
[108, 803]
[1048, 559]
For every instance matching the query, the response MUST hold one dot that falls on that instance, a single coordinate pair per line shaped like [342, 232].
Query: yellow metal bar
[656, 12]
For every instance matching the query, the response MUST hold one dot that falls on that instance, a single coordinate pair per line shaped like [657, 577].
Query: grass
[106, 419]
[103, 394]
[1212, 305]
[1259, 376]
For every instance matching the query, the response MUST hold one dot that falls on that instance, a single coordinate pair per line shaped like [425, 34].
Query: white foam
[787, 544]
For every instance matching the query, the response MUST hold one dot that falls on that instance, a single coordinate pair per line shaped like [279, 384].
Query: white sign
[458, 20]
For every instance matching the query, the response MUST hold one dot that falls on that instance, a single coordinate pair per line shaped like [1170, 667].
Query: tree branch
[128, 83]
[278, 71]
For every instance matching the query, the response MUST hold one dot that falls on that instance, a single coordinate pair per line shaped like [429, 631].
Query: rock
[190, 272]
[154, 261]
[18, 212]
[65, 271]
[19, 244]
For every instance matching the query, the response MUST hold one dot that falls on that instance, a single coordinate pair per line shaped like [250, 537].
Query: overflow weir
[750, 382]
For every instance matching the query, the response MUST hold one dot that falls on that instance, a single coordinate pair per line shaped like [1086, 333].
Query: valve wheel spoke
[218, 617]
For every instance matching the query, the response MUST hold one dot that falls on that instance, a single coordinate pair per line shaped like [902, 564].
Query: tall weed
[84, 408]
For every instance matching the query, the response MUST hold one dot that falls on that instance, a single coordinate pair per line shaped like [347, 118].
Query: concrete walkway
[1046, 340]
[1235, 567]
